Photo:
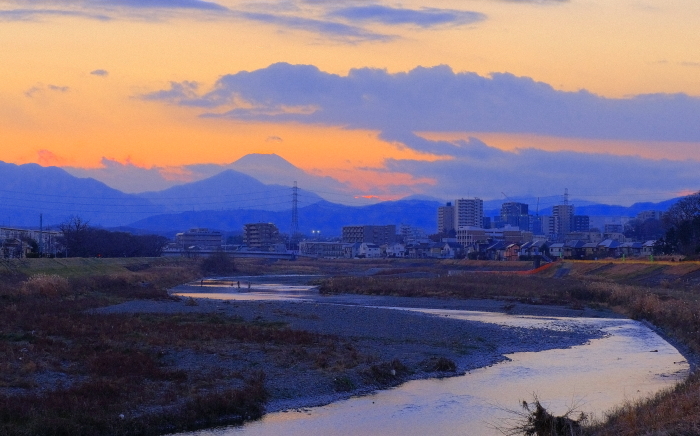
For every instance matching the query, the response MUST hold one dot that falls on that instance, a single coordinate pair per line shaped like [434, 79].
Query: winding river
[631, 361]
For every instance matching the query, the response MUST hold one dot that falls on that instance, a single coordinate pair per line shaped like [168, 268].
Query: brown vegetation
[65, 370]
[665, 294]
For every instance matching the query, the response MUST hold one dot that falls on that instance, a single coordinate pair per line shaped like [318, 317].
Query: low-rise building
[535, 248]
[378, 235]
[261, 236]
[395, 250]
[351, 251]
[468, 236]
[451, 250]
[631, 249]
[512, 251]
[369, 250]
[199, 237]
[322, 249]
[609, 248]
[556, 250]
[648, 248]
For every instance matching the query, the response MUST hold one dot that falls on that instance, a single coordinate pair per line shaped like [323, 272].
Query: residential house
[435, 250]
[556, 250]
[496, 250]
[512, 251]
[574, 249]
[590, 249]
[609, 248]
[369, 250]
[351, 251]
[535, 248]
[451, 250]
[648, 248]
[419, 250]
[395, 250]
[631, 249]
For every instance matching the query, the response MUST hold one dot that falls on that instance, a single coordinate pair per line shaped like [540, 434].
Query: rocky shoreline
[381, 334]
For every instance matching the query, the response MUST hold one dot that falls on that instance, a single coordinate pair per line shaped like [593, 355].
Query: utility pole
[294, 231]
[41, 235]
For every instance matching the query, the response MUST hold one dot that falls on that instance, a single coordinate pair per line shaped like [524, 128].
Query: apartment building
[468, 212]
[379, 235]
[260, 235]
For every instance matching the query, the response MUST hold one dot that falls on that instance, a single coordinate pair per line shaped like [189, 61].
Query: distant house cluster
[201, 242]
[462, 232]
[18, 243]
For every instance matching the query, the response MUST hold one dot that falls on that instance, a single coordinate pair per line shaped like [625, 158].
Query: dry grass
[65, 370]
[626, 288]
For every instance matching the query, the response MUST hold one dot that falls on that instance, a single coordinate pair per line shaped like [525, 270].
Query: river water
[630, 362]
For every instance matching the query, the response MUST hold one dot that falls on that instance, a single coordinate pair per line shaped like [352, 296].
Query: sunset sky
[445, 98]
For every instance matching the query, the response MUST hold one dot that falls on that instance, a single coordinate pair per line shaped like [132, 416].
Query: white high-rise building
[469, 212]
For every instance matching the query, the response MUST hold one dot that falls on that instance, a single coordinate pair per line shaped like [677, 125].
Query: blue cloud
[426, 17]
[183, 92]
[102, 10]
[39, 89]
[438, 99]
[99, 72]
[163, 4]
[485, 171]
[35, 14]
[324, 27]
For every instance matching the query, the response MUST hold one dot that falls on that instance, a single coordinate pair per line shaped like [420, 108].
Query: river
[629, 362]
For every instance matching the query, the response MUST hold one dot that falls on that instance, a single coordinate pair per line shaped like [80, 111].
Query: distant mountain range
[326, 217]
[226, 191]
[225, 201]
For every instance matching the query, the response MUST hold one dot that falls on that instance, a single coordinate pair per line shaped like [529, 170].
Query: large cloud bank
[439, 99]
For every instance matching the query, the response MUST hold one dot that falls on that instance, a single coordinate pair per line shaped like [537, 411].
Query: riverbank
[68, 367]
[413, 345]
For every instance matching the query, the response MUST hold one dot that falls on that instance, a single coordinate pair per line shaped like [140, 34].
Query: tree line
[82, 240]
[682, 224]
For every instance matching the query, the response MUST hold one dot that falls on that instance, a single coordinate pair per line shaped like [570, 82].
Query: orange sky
[53, 111]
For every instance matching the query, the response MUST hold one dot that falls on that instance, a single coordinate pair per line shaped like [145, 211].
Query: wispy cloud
[58, 88]
[40, 88]
[426, 17]
[103, 10]
[324, 27]
[37, 14]
[162, 4]
[184, 93]
[99, 73]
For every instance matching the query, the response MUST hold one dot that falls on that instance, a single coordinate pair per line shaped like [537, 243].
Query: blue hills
[225, 201]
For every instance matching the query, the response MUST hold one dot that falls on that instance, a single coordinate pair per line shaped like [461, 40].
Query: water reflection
[630, 362]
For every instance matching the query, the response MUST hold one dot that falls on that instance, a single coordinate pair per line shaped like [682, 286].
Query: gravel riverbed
[378, 331]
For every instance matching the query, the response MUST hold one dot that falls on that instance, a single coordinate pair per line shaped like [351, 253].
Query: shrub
[440, 364]
[219, 263]
[46, 285]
